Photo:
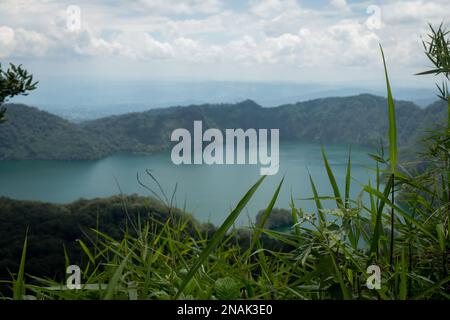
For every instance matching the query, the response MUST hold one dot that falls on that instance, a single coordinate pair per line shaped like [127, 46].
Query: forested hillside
[53, 227]
[34, 134]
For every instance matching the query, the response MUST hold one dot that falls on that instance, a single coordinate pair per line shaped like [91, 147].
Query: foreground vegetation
[400, 223]
[52, 227]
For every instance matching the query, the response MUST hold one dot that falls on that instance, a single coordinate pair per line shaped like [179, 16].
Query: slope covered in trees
[34, 134]
[51, 228]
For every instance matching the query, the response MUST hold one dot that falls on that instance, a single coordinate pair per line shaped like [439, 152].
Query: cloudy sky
[266, 40]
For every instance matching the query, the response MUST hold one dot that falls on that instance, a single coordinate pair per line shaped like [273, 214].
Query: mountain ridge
[31, 133]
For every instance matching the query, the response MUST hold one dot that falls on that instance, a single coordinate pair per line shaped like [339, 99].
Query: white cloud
[266, 8]
[30, 42]
[353, 43]
[204, 33]
[22, 43]
[273, 8]
[345, 43]
[187, 7]
[415, 12]
[156, 49]
[340, 5]
[6, 41]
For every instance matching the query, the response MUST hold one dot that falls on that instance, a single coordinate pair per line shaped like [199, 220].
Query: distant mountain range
[79, 99]
[362, 120]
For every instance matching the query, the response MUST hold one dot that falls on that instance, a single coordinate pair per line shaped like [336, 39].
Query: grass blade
[261, 256]
[348, 179]
[317, 201]
[112, 285]
[378, 228]
[86, 250]
[265, 216]
[219, 234]
[333, 182]
[441, 236]
[405, 215]
[19, 283]
[295, 218]
[393, 153]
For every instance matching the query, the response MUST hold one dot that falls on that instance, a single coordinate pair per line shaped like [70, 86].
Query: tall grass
[393, 153]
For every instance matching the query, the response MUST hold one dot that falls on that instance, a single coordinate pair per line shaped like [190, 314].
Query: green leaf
[19, 283]
[392, 123]
[441, 236]
[348, 179]
[86, 250]
[266, 213]
[429, 291]
[258, 229]
[385, 200]
[317, 201]
[378, 228]
[295, 218]
[227, 289]
[333, 182]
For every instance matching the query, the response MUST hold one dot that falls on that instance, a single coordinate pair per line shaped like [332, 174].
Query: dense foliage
[51, 228]
[14, 81]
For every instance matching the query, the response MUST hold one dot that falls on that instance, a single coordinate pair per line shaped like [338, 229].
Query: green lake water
[208, 192]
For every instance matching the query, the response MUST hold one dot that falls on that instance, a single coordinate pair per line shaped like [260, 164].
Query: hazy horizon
[89, 99]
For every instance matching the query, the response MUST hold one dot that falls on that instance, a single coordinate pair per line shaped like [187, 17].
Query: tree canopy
[14, 81]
